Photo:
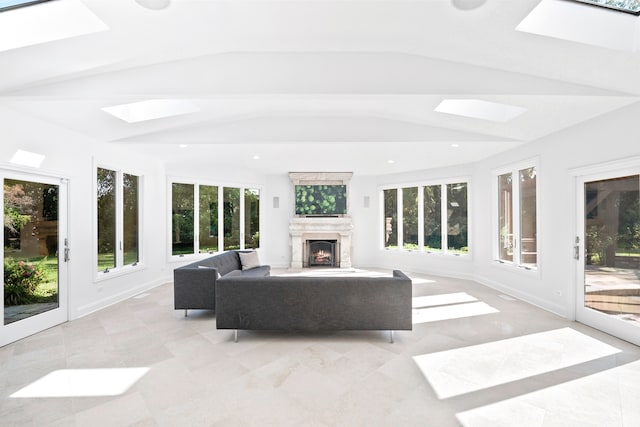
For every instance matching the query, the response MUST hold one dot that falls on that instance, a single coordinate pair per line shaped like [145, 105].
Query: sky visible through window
[630, 6]
[12, 4]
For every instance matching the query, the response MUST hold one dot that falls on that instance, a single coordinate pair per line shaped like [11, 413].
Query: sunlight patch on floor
[435, 308]
[480, 367]
[442, 299]
[83, 383]
[607, 398]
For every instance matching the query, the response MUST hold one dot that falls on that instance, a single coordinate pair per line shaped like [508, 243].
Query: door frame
[591, 317]
[29, 326]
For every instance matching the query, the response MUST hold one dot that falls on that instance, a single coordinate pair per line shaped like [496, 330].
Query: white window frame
[442, 183]
[119, 268]
[196, 217]
[515, 169]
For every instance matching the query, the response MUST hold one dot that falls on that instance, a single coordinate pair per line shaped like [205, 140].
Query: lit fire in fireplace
[322, 257]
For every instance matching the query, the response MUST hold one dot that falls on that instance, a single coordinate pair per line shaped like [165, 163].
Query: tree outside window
[424, 212]
[118, 210]
[517, 217]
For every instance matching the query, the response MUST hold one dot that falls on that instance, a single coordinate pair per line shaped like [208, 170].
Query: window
[410, 218]
[251, 218]
[208, 241]
[390, 218]
[432, 217]
[231, 218]
[457, 218]
[227, 218]
[414, 218]
[118, 219]
[130, 218]
[13, 4]
[517, 217]
[627, 6]
[182, 215]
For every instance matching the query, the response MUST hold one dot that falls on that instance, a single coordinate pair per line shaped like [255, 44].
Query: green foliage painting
[321, 199]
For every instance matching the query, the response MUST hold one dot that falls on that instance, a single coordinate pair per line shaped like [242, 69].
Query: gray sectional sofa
[194, 285]
[307, 303]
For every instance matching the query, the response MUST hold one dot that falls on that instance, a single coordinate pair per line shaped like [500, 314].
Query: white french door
[608, 252]
[35, 254]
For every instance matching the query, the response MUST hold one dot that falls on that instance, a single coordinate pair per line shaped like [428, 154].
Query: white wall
[72, 156]
[276, 247]
[605, 139]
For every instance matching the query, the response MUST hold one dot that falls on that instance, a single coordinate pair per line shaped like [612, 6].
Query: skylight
[151, 109]
[627, 6]
[50, 21]
[27, 158]
[479, 109]
[574, 21]
[13, 4]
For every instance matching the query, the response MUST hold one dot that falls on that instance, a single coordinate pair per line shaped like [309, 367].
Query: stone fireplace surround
[338, 228]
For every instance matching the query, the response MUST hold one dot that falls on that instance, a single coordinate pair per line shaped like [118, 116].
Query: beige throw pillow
[249, 260]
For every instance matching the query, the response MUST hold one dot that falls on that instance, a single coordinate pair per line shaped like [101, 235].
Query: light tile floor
[474, 358]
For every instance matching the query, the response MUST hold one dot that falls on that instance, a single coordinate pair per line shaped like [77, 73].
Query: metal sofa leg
[391, 337]
[185, 312]
[235, 336]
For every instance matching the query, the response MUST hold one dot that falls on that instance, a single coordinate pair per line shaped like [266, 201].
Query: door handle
[576, 249]
[66, 250]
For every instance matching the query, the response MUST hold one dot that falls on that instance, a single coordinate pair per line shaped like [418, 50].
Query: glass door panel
[30, 249]
[610, 283]
[33, 295]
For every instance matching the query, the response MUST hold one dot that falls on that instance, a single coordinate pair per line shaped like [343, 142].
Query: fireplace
[334, 230]
[322, 253]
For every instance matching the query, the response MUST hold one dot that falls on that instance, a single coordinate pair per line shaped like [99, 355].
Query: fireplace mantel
[320, 228]
[338, 228]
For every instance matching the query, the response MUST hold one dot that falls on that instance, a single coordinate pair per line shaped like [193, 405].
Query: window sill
[117, 272]
[426, 252]
[517, 268]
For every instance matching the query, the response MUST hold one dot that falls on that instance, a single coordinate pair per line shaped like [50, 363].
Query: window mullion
[445, 220]
[517, 219]
[221, 218]
[196, 219]
[119, 252]
[421, 218]
[400, 225]
[242, 217]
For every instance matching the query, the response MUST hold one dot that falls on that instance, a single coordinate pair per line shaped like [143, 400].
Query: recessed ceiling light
[479, 109]
[468, 4]
[183, 145]
[154, 4]
[391, 161]
[256, 157]
[151, 109]
[455, 145]
[27, 158]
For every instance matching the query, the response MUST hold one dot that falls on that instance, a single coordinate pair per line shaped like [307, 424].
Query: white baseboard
[524, 296]
[116, 298]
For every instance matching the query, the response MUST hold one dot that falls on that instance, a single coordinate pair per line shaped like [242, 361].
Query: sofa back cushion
[225, 262]
[314, 303]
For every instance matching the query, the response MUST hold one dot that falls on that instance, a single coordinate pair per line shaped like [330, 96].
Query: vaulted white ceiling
[299, 82]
